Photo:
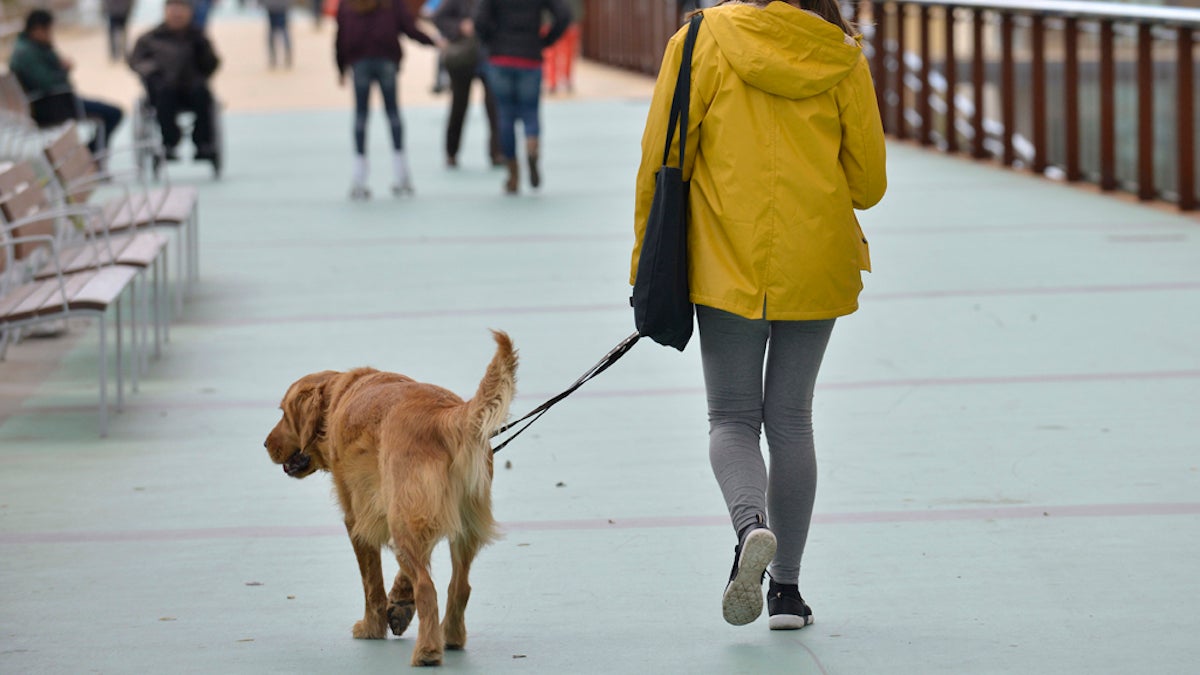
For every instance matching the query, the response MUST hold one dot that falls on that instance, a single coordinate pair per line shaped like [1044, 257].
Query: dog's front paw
[399, 615]
[369, 630]
[427, 657]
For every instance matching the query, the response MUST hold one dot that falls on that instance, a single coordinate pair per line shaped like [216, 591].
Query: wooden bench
[78, 177]
[45, 276]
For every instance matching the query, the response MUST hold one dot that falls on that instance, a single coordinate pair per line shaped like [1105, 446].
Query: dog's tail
[488, 409]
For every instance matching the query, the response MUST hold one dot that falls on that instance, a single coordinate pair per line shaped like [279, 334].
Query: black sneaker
[786, 608]
[743, 599]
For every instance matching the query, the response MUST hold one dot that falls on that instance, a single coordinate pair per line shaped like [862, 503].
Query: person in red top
[368, 45]
[510, 31]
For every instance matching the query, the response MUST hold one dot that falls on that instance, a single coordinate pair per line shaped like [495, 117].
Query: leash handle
[602, 365]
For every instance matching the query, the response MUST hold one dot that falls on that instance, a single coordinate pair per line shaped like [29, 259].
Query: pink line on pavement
[592, 524]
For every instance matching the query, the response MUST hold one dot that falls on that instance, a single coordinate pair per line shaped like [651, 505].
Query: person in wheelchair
[45, 77]
[175, 61]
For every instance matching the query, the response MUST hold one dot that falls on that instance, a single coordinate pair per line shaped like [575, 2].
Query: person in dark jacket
[510, 31]
[368, 44]
[44, 75]
[175, 61]
[453, 21]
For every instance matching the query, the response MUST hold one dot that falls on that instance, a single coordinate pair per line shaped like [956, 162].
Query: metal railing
[1079, 91]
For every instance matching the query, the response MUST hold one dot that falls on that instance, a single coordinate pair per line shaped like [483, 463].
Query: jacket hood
[782, 50]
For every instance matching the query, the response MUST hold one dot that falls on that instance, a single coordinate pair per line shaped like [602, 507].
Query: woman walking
[277, 27]
[453, 21]
[368, 44]
[784, 142]
[510, 32]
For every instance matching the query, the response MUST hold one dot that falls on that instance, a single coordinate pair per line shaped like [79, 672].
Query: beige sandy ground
[245, 84]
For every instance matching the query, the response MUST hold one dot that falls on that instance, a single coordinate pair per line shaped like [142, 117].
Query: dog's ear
[309, 407]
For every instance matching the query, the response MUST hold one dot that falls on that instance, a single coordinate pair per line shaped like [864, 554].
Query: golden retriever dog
[411, 465]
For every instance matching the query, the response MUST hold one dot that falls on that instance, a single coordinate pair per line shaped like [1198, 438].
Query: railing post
[1145, 70]
[1038, 38]
[1108, 120]
[901, 130]
[879, 16]
[951, 68]
[1185, 121]
[1008, 87]
[1071, 96]
[923, 107]
[977, 83]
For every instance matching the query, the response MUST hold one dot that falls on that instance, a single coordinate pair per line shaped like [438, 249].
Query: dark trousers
[116, 37]
[109, 117]
[168, 102]
[277, 25]
[460, 97]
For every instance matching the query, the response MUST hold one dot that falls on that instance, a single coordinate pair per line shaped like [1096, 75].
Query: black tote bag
[662, 305]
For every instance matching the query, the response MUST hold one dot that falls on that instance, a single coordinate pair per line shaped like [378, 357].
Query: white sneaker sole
[790, 622]
[742, 602]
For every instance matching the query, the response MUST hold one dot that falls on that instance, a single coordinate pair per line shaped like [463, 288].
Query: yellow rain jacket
[784, 142]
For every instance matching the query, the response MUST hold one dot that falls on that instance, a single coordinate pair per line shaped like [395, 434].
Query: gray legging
[743, 398]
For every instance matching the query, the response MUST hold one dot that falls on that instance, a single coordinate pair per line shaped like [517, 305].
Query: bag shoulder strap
[683, 93]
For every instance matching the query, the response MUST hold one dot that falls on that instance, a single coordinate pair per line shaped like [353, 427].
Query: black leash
[609, 359]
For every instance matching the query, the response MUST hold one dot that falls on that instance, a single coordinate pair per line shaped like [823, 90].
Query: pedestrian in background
[784, 142]
[558, 59]
[465, 64]
[117, 12]
[510, 31]
[368, 45]
[44, 75]
[277, 27]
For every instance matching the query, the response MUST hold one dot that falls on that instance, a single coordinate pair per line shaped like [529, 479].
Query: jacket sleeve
[141, 59]
[654, 137]
[207, 60]
[484, 27]
[448, 17]
[339, 40]
[39, 76]
[405, 23]
[562, 19]
[863, 156]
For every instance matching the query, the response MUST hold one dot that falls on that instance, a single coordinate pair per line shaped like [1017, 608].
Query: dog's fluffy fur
[412, 465]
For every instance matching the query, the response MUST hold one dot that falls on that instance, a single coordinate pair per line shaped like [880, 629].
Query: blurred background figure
[117, 12]
[464, 61]
[200, 10]
[368, 45]
[44, 75]
[441, 78]
[559, 58]
[175, 61]
[511, 34]
[277, 27]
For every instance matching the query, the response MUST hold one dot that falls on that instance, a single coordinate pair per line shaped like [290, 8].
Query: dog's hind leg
[401, 606]
[454, 627]
[413, 547]
[375, 619]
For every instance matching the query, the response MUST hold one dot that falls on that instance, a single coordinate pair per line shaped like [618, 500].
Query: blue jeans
[277, 24]
[109, 117]
[383, 72]
[518, 92]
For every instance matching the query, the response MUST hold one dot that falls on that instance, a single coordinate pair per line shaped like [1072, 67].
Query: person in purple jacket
[368, 44]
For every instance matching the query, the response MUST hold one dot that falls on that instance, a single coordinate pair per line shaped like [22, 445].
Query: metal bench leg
[179, 273]
[120, 361]
[156, 303]
[103, 377]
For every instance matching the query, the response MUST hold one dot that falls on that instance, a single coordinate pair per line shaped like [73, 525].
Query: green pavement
[1007, 431]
